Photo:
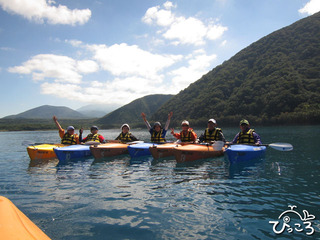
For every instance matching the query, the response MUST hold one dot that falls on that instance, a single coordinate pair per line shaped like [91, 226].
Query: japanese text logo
[292, 221]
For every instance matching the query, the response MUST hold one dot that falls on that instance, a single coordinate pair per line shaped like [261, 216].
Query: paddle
[277, 146]
[280, 146]
[29, 143]
[134, 142]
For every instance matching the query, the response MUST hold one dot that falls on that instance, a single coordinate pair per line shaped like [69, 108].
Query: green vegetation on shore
[42, 124]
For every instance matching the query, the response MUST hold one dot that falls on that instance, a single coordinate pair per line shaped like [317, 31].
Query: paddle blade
[281, 146]
[218, 145]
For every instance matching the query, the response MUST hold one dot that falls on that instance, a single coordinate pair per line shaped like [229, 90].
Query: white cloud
[182, 30]
[60, 68]
[125, 60]
[6, 49]
[87, 66]
[40, 10]
[168, 5]
[161, 17]
[198, 65]
[224, 43]
[134, 73]
[215, 31]
[119, 90]
[74, 43]
[187, 31]
[311, 7]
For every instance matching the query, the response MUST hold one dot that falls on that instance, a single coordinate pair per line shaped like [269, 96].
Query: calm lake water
[206, 199]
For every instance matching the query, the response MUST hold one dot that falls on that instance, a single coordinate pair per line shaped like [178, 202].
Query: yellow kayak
[43, 151]
[15, 225]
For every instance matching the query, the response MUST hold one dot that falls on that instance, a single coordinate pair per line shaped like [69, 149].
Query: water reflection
[215, 168]
[43, 166]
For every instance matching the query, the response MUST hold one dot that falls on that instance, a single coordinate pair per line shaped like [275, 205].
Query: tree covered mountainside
[275, 80]
[131, 113]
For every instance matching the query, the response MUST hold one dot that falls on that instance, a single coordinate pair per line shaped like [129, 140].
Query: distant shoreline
[16, 125]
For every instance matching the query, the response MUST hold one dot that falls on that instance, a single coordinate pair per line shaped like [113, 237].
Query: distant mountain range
[131, 113]
[46, 112]
[97, 110]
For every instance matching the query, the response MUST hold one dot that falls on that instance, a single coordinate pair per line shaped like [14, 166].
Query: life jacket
[157, 136]
[125, 137]
[246, 138]
[93, 137]
[214, 136]
[68, 139]
[187, 138]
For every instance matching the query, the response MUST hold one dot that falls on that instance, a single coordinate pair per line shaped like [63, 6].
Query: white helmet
[125, 125]
[185, 122]
[212, 120]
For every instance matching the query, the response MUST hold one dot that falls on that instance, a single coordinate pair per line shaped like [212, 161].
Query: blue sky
[76, 53]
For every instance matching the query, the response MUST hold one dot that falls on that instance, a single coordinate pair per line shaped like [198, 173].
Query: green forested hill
[275, 80]
[131, 113]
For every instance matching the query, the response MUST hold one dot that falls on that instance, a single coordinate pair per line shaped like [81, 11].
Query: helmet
[94, 128]
[212, 120]
[244, 121]
[156, 124]
[70, 128]
[185, 122]
[125, 125]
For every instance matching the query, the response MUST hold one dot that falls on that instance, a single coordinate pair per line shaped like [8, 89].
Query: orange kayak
[43, 151]
[163, 150]
[109, 150]
[192, 152]
[15, 225]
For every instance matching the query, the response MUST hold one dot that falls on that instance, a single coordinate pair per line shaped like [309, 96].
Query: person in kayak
[187, 134]
[93, 136]
[212, 133]
[158, 133]
[247, 135]
[126, 136]
[68, 137]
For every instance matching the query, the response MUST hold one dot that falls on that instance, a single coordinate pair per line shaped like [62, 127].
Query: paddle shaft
[276, 146]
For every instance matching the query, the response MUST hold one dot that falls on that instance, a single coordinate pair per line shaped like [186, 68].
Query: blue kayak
[72, 152]
[140, 149]
[242, 152]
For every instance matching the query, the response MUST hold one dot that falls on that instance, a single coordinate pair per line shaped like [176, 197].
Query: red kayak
[163, 150]
[192, 152]
[109, 150]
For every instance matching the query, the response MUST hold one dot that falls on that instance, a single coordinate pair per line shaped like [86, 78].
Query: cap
[185, 122]
[156, 124]
[212, 120]
[94, 127]
[244, 121]
[125, 125]
[70, 128]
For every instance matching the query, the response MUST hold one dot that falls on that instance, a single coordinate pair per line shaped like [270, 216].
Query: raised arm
[143, 115]
[57, 123]
[168, 121]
